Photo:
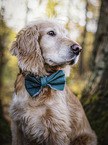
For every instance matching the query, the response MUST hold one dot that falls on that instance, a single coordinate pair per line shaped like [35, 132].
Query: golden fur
[53, 117]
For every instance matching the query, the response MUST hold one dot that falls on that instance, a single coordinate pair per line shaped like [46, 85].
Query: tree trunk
[5, 133]
[95, 95]
[1, 46]
[81, 64]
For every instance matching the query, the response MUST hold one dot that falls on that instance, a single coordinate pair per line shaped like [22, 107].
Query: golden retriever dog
[51, 117]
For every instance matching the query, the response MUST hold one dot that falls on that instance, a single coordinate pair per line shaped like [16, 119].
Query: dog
[51, 116]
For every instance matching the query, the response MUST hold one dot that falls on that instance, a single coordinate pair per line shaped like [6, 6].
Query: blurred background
[87, 23]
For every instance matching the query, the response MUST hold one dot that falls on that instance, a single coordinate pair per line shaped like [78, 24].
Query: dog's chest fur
[44, 118]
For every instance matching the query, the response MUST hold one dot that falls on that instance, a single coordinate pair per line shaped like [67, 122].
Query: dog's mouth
[72, 62]
[56, 66]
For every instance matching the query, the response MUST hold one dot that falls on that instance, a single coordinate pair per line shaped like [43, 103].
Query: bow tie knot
[44, 82]
[34, 85]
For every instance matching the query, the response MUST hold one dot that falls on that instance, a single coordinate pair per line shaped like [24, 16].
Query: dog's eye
[51, 33]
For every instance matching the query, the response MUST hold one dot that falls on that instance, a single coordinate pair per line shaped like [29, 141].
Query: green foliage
[10, 69]
[74, 82]
[97, 113]
[5, 133]
[94, 100]
[8, 72]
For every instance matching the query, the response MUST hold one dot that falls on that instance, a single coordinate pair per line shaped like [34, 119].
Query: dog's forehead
[48, 26]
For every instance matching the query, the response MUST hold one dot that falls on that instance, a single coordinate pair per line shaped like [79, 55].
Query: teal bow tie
[55, 81]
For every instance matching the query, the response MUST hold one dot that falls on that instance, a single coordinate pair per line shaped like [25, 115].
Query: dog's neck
[49, 70]
[52, 69]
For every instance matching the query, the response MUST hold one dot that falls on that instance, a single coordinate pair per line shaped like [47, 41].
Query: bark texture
[95, 95]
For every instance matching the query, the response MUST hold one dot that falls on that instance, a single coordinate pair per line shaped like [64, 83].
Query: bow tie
[55, 81]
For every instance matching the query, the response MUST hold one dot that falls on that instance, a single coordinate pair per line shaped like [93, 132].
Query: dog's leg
[16, 134]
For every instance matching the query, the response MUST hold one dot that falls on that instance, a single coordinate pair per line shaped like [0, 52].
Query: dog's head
[44, 42]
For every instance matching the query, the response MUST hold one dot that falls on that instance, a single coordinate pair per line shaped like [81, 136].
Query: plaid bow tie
[55, 81]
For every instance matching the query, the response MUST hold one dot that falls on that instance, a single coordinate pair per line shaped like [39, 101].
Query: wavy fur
[53, 117]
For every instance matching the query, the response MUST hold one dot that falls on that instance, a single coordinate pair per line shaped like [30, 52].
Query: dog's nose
[76, 49]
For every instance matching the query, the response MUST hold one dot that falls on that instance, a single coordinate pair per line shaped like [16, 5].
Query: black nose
[76, 49]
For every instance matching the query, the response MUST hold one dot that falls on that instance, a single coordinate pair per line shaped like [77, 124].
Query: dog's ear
[27, 49]
[14, 48]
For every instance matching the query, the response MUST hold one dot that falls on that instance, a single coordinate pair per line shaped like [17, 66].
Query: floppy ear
[14, 48]
[28, 51]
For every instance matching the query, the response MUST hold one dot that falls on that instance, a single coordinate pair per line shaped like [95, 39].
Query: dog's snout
[76, 49]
